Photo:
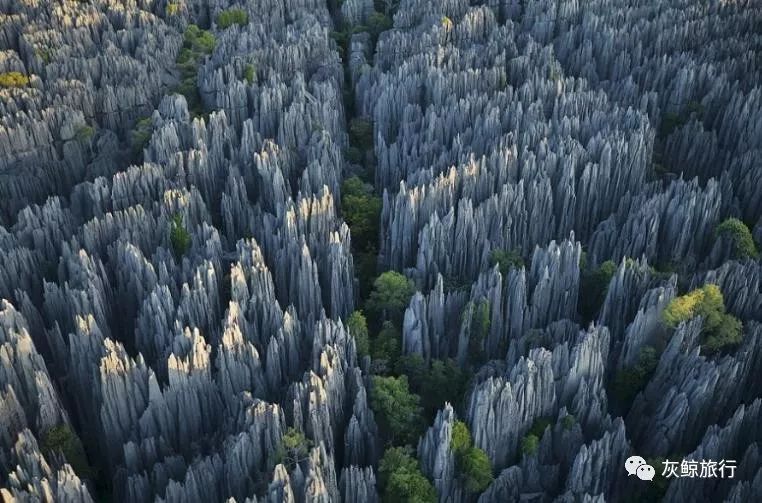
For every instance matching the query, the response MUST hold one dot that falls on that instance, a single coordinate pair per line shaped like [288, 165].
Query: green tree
[391, 295]
[743, 242]
[141, 134]
[480, 325]
[506, 260]
[361, 133]
[401, 480]
[361, 209]
[476, 469]
[444, 382]
[530, 444]
[416, 370]
[397, 409]
[377, 23]
[62, 439]
[294, 447]
[629, 381]
[179, 236]
[250, 73]
[472, 463]
[386, 346]
[13, 79]
[594, 285]
[229, 17]
[721, 330]
[358, 328]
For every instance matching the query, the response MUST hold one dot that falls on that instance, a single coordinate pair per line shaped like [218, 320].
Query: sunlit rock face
[178, 268]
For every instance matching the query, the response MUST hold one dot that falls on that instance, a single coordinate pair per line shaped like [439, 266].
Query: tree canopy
[472, 463]
[401, 480]
[358, 328]
[721, 330]
[398, 410]
[743, 242]
[391, 295]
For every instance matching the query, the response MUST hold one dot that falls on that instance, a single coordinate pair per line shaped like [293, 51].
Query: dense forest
[379, 250]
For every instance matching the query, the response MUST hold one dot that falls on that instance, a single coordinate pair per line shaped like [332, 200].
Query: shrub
[294, 447]
[539, 425]
[629, 381]
[529, 445]
[444, 382]
[84, 133]
[250, 74]
[506, 260]
[357, 327]
[140, 135]
[480, 325]
[720, 331]
[13, 79]
[229, 17]
[743, 242]
[593, 286]
[361, 209]
[179, 236]
[397, 409]
[391, 295]
[361, 133]
[377, 23]
[568, 421]
[401, 480]
[173, 9]
[386, 346]
[62, 439]
[476, 470]
[471, 462]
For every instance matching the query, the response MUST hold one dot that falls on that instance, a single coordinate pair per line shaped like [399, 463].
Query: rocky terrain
[416, 250]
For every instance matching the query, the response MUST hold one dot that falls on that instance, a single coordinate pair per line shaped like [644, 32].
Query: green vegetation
[357, 327]
[13, 79]
[294, 448]
[444, 382]
[377, 23]
[568, 421]
[386, 346]
[84, 133]
[398, 410]
[531, 441]
[197, 43]
[743, 242]
[539, 425]
[593, 286]
[391, 295]
[480, 325]
[141, 135]
[229, 17]
[173, 9]
[629, 381]
[471, 462]
[62, 439]
[529, 445]
[361, 133]
[721, 330]
[361, 209]
[400, 479]
[671, 121]
[250, 73]
[179, 236]
[506, 260]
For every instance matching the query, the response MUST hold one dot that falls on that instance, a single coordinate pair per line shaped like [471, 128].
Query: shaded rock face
[176, 270]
